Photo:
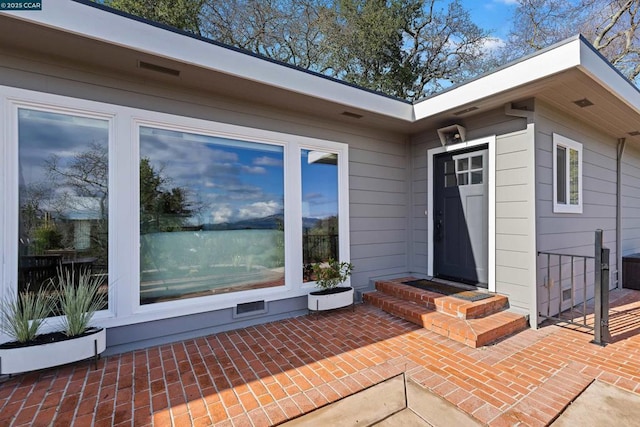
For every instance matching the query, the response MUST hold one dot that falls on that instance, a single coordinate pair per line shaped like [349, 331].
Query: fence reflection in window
[63, 196]
[320, 233]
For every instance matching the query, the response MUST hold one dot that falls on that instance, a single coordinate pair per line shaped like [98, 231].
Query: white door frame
[490, 141]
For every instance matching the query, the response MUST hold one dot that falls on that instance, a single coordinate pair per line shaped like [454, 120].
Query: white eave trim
[608, 77]
[539, 66]
[92, 22]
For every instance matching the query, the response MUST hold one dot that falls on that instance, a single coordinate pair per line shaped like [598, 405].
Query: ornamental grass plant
[79, 299]
[22, 316]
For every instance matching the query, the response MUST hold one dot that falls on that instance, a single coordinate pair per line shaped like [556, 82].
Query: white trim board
[490, 141]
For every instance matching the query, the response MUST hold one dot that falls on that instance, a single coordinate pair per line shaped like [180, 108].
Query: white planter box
[330, 301]
[31, 358]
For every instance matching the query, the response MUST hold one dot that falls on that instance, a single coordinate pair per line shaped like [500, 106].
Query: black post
[597, 307]
[604, 299]
[601, 292]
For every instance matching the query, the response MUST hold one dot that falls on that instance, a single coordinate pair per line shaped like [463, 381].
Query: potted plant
[329, 275]
[76, 300]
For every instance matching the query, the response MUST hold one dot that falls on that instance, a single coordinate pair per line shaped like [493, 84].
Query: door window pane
[476, 162]
[463, 164]
[476, 177]
[63, 196]
[319, 209]
[211, 215]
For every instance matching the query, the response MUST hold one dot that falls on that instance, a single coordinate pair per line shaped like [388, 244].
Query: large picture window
[63, 196]
[567, 175]
[176, 215]
[211, 215]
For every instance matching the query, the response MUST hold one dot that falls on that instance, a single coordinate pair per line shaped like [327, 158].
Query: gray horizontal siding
[630, 200]
[377, 173]
[378, 209]
[572, 233]
[515, 213]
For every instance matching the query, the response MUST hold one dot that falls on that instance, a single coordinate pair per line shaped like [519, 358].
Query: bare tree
[610, 25]
[612, 28]
[405, 48]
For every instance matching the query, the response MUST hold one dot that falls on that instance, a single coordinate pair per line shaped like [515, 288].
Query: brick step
[444, 304]
[471, 332]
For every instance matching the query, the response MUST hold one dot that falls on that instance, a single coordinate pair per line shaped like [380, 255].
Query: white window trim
[9, 183]
[561, 141]
[124, 196]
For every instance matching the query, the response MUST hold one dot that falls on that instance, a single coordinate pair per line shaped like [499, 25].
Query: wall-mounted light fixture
[452, 134]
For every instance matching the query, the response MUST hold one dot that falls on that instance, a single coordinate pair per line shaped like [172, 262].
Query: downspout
[620, 152]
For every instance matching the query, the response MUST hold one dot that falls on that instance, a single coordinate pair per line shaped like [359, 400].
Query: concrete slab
[361, 409]
[435, 410]
[392, 403]
[603, 405]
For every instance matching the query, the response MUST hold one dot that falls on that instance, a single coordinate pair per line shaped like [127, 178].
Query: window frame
[568, 145]
[138, 124]
[293, 146]
[9, 182]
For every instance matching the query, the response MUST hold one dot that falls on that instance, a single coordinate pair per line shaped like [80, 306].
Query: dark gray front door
[460, 211]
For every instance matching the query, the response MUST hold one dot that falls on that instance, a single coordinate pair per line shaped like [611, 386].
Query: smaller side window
[567, 175]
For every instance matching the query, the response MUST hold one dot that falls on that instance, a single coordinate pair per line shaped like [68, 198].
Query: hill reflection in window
[211, 215]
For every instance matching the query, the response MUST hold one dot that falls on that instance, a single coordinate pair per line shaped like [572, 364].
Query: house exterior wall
[377, 175]
[573, 233]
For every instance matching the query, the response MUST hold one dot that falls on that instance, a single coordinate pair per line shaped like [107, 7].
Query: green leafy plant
[47, 237]
[331, 273]
[22, 316]
[79, 299]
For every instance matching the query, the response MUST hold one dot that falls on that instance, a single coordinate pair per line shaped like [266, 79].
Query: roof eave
[94, 23]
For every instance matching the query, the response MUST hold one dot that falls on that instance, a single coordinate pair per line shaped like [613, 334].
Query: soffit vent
[158, 68]
[466, 110]
[584, 102]
[352, 115]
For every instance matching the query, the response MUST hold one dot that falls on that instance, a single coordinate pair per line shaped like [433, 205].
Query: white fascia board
[608, 77]
[91, 22]
[537, 67]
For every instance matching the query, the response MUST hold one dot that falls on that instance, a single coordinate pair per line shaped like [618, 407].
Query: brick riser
[473, 324]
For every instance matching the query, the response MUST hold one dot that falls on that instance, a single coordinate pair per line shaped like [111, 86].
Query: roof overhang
[83, 33]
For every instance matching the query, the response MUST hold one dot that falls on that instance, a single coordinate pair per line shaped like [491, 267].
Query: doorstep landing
[474, 324]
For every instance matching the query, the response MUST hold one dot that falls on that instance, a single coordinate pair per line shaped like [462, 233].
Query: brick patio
[267, 374]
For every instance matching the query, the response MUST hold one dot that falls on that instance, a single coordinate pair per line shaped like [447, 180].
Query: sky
[492, 15]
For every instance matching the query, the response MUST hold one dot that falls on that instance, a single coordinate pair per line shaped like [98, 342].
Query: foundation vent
[250, 308]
